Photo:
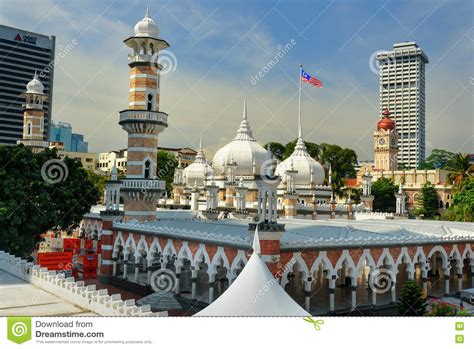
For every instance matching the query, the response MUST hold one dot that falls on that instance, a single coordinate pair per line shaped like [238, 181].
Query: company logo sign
[28, 39]
[19, 329]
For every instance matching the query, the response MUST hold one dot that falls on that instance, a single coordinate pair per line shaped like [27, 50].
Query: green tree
[99, 181]
[462, 209]
[40, 192]
[276, 148]
[313, 149]
[427, 201]
[166, 163]
[342, 162]
[411, 302]
[461, 169]
[383, 191]
[437, 159]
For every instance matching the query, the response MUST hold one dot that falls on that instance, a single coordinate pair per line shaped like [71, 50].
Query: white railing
[143, 115]
[75, 292]
[145, 184]
[33, 143]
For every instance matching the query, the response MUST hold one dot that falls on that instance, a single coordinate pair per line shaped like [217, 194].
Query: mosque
[282, 220]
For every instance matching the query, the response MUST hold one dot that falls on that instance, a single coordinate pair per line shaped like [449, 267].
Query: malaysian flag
[305, 77]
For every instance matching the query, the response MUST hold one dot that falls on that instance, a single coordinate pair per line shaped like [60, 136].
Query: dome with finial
[307, 168]
[243, 150]
[385, 122]
[195, 173]
[147, 27]
[35, 85]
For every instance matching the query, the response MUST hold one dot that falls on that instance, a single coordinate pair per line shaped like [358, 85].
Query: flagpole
[299, 103]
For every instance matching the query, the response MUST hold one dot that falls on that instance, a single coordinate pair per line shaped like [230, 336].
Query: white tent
[255, 292]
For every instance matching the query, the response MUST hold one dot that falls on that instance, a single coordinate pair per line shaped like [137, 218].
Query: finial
[114, 171]
[256, 242]
[200, 142]
[36, 75]
[244, 114]
[147, 12]
[400, 188]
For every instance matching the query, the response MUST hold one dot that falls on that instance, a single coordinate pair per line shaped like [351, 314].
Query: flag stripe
[310, 79]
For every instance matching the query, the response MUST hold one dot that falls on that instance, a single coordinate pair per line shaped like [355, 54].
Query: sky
[222, 52]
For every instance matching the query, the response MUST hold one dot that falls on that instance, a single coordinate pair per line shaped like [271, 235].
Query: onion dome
[243, 150]
[35, 85]
[386, 123]
[147, 27]
[195, 173]
[307, 168]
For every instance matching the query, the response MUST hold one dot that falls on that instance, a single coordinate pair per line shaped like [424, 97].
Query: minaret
[143, 122]
[33, 121]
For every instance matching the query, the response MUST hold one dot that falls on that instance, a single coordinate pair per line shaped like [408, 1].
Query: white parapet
[75, 292]
[360, 216]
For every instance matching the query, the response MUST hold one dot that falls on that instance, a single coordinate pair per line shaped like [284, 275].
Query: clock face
[382, 141]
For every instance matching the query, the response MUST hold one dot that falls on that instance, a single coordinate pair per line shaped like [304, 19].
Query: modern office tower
[73, 142]
[402, 91]
[21, 54]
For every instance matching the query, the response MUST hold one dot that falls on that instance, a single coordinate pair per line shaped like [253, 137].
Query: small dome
[302, 162]
[195, 173]
[386, 123]
[243, 150]
[35, 86]
[147, 27]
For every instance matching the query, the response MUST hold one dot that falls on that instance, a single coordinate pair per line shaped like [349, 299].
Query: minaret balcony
[143, 116]
[33, 143]
[142, 184]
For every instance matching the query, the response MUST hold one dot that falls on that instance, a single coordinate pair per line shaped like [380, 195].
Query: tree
[276, 148]
[427, 201]
[342, 162]
[461, 169]
[437, 159]
[411, 301]
[383, 191]
[313, 149]
[166, 163]
[99, 181]
[40, 192]
[462, 209]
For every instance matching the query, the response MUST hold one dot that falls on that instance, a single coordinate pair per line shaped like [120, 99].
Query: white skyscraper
[402, 91]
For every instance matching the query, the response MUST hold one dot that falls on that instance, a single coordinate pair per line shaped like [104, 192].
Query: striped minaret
[143, 122]
[33, 121]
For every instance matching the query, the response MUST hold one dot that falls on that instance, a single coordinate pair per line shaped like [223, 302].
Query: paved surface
[19, 298]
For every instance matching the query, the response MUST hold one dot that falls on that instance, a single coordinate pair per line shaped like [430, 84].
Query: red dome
[386, 123]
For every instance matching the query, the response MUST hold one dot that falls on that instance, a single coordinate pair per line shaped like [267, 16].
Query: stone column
[394, 291]
[332, 289]
[137, 268]
[353, 297]
[114, 266]
[307, 294]
[148, 270]
[446, 282]
[193, 283]
[459, 282]
[211, 288]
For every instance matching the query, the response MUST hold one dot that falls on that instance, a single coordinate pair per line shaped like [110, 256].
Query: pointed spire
[400, 190]
[200, 142]
[244, 133]
[256, 242]
[114, 171]
[147, 12]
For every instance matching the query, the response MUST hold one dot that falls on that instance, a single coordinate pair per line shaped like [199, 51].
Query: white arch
[129, 243]
[169, 249]
[386, 255]
[155, 245]
[142, 244]
[324, 260]
[298, 262]
[442, 252]
[201, 252]
[184, 253]
[366, 256]
[118, 241]
[220, 255]
[236, 263]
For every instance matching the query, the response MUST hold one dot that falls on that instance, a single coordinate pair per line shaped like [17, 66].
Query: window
[147, 168]
[150, 102]
[29, 128]
[42, 124]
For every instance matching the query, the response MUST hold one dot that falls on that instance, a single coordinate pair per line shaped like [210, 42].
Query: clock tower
[386, 144]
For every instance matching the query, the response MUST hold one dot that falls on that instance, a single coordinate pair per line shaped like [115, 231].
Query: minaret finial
[244, 114]
[147, 12]
[256, 242]
[200, 142]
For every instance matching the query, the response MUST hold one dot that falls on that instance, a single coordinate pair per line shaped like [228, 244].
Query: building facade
[402, 91]
[23, 53]
[73, 142]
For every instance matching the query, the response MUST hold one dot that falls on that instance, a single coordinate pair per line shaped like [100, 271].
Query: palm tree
[460, 167]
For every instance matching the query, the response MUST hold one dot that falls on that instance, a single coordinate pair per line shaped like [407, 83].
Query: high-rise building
[21, 54]
[402, 91]
[73, 142]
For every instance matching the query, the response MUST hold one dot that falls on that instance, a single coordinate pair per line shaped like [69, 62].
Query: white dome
[194, 174]
[243, 150]
[147, 27]
[302, 162]
[35, 85]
